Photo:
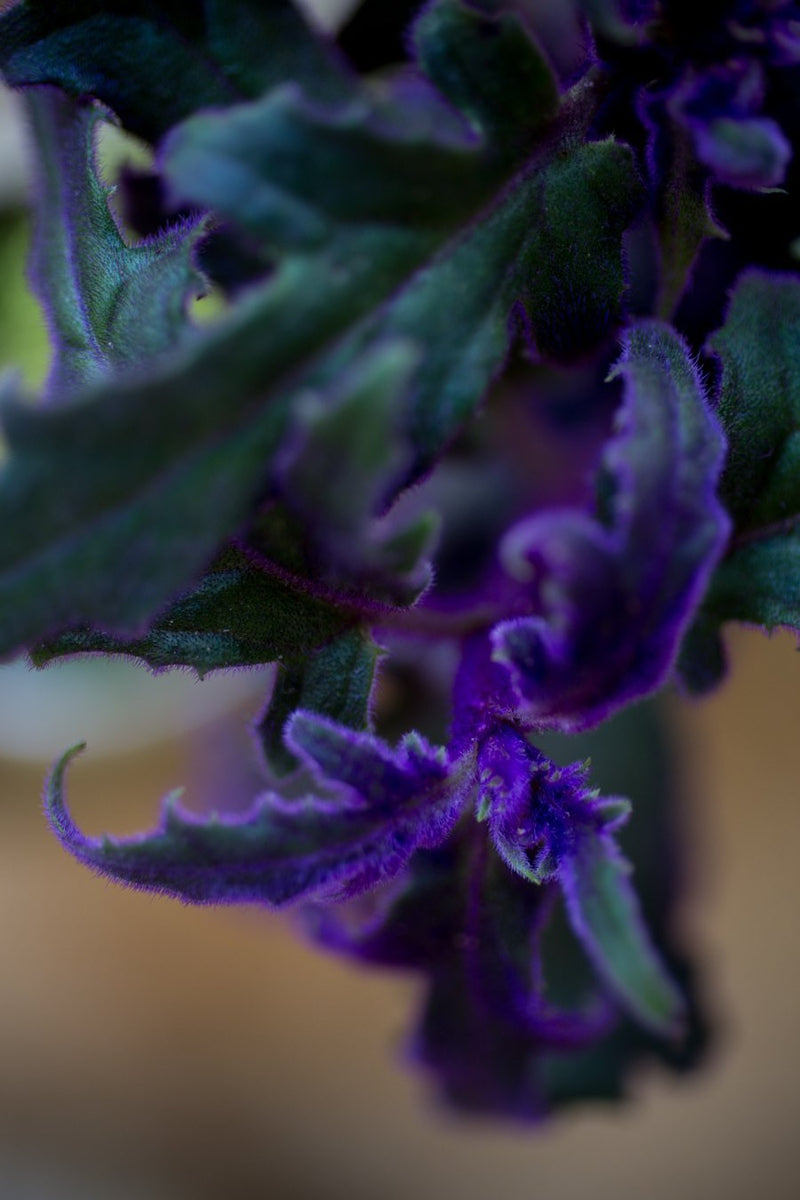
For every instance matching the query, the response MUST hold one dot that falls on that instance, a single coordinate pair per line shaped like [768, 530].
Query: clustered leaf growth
[501, 404]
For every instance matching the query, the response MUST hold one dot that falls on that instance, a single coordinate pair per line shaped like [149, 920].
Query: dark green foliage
[585, 203]
[238, 615]
[187, 55]
[604, 911]
[111, 306]
[152, 474]
[154, 471]
[459, 48]
[758, 582]
[759, 351]
[684, 225]
[335, 681]
[342, 462]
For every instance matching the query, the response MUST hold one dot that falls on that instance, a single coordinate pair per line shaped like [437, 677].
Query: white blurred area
[13, 150]
[327, 14]
[116, 706]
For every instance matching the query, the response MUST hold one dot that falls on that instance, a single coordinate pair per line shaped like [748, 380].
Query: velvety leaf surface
[536, 812]
[386, 804]
[154, 62]
[110, 306]
[546, 824]
[152, 474]
[515, 1021]
[616, 595]
[572, 307]
[238, 615]
[605, 914]
[335, 681]
[760, 400]
[342, 460]
[758, 581]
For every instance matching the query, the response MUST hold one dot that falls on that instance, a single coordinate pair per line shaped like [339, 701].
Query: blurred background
[152, 1051]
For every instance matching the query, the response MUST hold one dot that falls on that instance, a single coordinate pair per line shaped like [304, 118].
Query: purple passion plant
[497, 429]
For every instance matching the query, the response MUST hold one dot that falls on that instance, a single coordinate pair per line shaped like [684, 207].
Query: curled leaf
[386, 805]
[615, 593]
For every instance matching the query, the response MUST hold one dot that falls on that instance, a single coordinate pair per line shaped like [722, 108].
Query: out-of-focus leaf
[720, 108]
[154, 62]
[110, 306]
[616, 19]
[746, 153]
[154, 472]
[685, 224]
[341, 462]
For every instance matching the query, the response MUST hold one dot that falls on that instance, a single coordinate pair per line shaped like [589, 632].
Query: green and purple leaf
[617, 591]
[385, 804]
[111, 307]
[547, 824]
[155, 471]
[605, 915]
[334, 681]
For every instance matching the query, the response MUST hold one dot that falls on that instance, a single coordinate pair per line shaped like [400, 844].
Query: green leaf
[154, 62]
[237, 616]
[458, 47]
[604, 912]
[261, 164]
[685, 223]
[335, 681]
[110, 305]
[346, 453]
[760, 399]
[758, 582]
[586, 201]
[608, 19]
[117, 499]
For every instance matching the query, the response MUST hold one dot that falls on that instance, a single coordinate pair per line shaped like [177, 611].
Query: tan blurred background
[153, 1052]
[149, 1050]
